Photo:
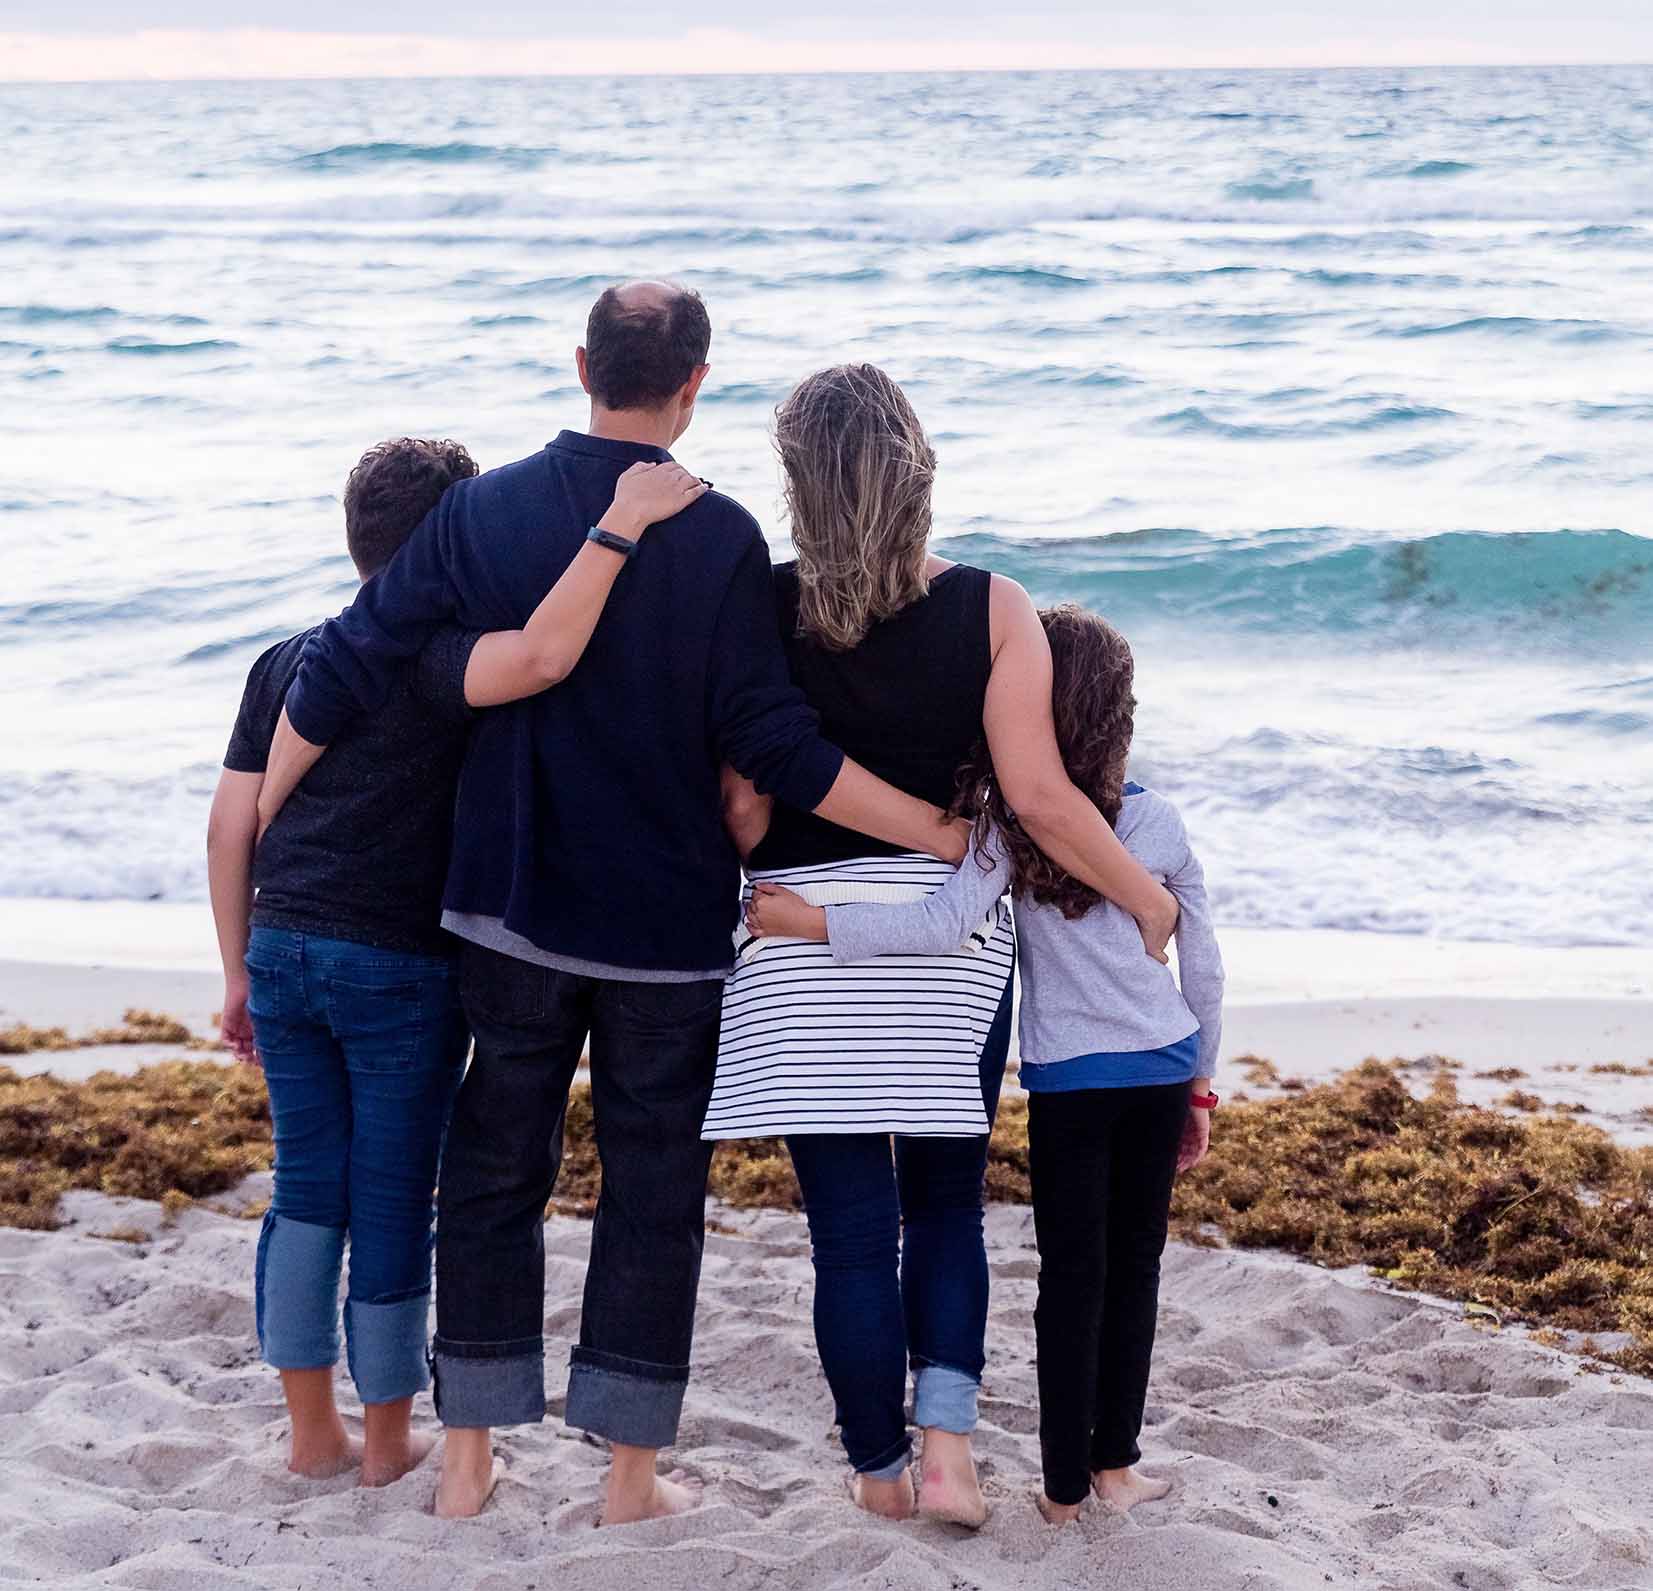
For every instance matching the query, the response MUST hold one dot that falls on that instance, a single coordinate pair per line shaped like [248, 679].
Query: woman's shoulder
[964, 582]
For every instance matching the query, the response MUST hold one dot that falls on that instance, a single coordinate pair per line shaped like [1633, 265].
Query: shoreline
[1314, 1004]
[1266, 966]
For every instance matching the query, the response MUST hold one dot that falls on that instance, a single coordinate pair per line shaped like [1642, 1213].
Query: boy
[338, 978]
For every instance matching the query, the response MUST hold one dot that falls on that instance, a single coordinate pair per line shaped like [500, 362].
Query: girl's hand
[648, 493]
[1196, 1139]
[776, 913]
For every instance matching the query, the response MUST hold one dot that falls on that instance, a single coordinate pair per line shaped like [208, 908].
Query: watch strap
[607, 538]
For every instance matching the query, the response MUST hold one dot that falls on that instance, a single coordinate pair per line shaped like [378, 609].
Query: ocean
[1334, 390]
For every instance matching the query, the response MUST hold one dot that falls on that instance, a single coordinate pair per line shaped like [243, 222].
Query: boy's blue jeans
[362, 1051]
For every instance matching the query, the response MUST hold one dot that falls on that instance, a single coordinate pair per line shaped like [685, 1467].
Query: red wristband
[1204, 1101]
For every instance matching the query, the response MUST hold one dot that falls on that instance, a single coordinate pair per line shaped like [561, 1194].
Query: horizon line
[485, 75]
[272, 55]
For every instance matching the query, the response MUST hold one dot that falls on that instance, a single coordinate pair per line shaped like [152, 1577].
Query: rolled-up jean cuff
[889, 1472]
[625, 1400]
[297, 1288]
[485, 1384]
[888, 1465]
[386, 1347]
[945, 1399]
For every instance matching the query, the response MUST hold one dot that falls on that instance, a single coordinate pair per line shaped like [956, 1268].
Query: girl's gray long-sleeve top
[1088, 985]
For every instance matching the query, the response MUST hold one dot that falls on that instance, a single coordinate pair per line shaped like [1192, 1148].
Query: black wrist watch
[607, 538]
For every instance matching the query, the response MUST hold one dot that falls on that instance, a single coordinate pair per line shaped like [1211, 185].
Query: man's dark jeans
[653, 1053]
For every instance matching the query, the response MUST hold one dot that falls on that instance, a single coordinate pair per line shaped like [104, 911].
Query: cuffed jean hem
[489, 1384]
[385, 1344]
[296, 1288]
[889, 1472]
[944, 1399]
[625, 1400]
[889, 1464]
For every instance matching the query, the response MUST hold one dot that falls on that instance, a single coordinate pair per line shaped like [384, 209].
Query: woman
[910, 660]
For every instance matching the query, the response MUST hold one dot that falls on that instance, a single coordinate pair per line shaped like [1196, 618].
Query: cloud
[177, 54]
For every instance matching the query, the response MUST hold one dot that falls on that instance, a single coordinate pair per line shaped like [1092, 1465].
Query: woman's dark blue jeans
[900, 1273]
[362, 1050]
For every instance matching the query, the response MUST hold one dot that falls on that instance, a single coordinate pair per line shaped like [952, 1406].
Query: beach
[1317, 1431]
[1319, 1428]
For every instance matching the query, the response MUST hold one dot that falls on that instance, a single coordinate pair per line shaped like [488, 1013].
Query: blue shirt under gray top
[1097, 1011]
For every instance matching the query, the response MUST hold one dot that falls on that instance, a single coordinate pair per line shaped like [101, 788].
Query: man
[596, 889]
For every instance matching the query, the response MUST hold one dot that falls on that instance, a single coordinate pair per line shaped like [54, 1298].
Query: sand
[1317, 1431]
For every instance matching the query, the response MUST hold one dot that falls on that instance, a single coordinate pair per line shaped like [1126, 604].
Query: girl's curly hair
[1094, 707]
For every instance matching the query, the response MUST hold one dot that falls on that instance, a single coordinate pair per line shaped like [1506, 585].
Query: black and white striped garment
[892, 1044]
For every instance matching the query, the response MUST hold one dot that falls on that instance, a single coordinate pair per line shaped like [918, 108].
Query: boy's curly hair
[1094, 707]
[391, 489]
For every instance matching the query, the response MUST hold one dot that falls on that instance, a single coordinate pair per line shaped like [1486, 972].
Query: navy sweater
[589, 817]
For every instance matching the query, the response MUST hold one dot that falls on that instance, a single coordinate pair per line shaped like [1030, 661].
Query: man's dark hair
[391, 490]
[636, 357]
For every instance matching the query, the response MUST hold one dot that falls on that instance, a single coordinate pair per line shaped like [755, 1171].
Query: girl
[1116, 1060]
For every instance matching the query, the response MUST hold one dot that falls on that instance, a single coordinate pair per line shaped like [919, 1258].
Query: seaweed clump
[136, 1026]
[1545, 1220]
[176, 1131]
[1539, 1218]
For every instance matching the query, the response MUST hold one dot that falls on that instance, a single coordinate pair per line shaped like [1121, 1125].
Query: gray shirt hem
[492, 934]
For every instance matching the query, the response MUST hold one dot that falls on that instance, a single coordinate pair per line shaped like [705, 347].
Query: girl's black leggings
[1102, 1161]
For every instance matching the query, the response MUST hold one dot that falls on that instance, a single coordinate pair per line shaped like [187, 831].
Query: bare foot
[469, 1474]
[321, 1456]
[1124, 1488]
[673, 1494]
[948, 1489]
[1056, 1513]
[320, 1447]
[386, 1468]
[886, 1499]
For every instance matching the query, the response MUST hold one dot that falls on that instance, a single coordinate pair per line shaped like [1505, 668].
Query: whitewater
[1333, 389]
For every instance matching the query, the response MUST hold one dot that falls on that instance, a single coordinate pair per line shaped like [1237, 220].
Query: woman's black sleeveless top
[905, 704]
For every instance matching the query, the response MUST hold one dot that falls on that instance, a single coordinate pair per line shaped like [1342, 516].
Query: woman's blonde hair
[859, 469]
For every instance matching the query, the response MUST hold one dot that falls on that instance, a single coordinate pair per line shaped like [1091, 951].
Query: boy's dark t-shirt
[360, 850]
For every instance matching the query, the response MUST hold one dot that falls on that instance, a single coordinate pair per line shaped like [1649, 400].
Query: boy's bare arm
[291, 757]
[746, 814]
[232, 831]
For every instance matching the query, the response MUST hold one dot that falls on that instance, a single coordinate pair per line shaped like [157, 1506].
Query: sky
[91, 39]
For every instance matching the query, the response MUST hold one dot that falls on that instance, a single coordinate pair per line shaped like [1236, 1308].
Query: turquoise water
[1333, 389]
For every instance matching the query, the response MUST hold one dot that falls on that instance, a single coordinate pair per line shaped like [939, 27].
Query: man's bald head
[643, 343]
